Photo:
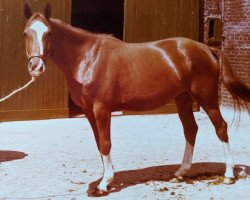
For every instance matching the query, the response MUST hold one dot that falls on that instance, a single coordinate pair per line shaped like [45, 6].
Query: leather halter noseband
[33, 55]
[38, 55]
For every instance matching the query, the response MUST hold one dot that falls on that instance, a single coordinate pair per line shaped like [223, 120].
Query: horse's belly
[150, 91]
[145, 103]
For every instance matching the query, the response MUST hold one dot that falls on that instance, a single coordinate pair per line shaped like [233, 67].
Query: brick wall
[236, 32]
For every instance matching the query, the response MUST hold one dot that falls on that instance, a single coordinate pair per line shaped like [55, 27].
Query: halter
[36, 51]
[37, 55]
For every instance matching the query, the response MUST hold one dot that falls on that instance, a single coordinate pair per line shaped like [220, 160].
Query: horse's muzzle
[36, 67]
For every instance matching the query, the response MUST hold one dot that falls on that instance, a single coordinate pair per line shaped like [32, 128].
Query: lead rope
[18, 90]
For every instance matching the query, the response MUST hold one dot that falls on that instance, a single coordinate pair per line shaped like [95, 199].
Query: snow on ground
[62, 160]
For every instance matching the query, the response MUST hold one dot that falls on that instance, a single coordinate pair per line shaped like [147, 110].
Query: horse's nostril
[41, 68]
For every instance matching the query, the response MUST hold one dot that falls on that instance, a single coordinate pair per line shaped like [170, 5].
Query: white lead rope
[18, 90]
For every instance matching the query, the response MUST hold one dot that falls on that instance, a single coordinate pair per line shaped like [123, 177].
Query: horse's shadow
[6, 156]
[199, 171]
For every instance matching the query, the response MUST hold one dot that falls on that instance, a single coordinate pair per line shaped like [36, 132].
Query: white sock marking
[229, 161]
[187, 160]
[108, 172]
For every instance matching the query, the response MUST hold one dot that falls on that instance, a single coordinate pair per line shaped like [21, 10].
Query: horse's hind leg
[210, 104]
[184, 104]
[221, 131]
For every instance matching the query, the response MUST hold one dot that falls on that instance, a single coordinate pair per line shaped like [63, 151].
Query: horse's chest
[75, 90]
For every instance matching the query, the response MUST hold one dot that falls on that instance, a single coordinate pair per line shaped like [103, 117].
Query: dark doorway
[97, 16]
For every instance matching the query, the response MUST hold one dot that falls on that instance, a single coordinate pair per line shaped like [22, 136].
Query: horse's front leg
[91, 118]
[103, 118]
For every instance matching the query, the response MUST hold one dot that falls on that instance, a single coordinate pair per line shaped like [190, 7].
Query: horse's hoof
[109, 187]
[99, 193]
[242, 174]
[229, 180]
[176, 179]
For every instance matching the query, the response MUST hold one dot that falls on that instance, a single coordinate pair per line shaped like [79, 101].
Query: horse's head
[38, 39]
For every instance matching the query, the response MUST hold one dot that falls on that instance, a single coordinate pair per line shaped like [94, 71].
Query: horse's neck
[69, 45]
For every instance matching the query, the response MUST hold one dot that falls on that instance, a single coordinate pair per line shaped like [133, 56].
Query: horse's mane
[78, 30]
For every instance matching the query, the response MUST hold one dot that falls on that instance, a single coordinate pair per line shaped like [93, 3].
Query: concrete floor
[58, 159]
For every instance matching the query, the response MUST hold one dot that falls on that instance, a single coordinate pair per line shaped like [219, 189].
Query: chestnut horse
[105, 74]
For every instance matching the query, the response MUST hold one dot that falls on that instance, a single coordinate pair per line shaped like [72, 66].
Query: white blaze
[40, 28]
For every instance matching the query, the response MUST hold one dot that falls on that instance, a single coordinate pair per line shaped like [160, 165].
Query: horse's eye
[49, 33]
[25, 34]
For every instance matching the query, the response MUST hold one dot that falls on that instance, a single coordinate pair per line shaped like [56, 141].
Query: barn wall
[48, 96]
[236, 33]
[153, 20]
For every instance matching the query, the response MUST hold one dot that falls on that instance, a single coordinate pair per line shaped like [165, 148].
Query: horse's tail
[239, 91]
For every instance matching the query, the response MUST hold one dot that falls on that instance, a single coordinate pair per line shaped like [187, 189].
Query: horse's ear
[27, 11]
[47, 11]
